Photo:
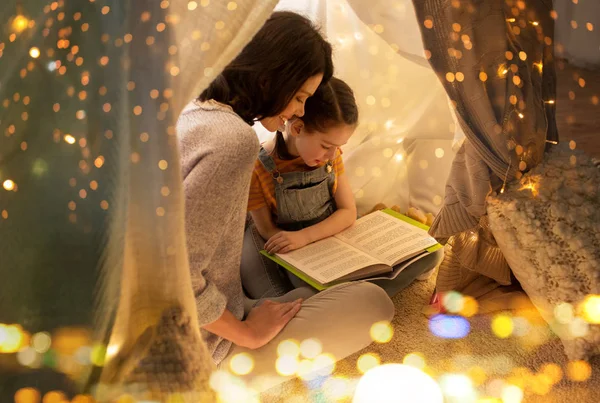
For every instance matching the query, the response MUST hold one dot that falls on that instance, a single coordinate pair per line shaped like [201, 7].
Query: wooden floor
[578, 107]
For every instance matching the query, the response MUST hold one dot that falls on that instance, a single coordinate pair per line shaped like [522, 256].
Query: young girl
[299, 193]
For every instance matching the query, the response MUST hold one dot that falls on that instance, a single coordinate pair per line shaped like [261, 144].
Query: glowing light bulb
[34, 52]
[8, 185]
[502, 70]
[19, 24]
[382, 383]
[11, 338]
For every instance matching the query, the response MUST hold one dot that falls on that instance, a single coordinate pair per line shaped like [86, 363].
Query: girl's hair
[333, 104]
[261, 81]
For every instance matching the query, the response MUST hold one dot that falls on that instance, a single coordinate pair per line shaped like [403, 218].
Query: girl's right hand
[267, 320]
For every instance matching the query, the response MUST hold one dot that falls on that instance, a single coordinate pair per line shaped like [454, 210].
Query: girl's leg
[340, 318]
[411, 273]
[261, 277]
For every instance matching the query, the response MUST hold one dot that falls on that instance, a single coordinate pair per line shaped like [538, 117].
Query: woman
[269, 81]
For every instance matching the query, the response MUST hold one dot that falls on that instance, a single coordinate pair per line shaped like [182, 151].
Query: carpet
[491, 362]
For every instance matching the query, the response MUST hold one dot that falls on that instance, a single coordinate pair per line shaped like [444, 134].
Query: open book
[380, 244]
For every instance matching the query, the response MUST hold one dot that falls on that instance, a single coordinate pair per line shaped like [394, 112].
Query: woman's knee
[378, 301]
[365, 300]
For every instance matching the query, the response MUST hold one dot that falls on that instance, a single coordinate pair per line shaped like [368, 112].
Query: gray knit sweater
[218, 150]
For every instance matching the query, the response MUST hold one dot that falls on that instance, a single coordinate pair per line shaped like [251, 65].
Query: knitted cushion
[548, 227]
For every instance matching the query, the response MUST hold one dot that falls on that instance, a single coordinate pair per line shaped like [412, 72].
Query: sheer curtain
[92, 241]
[402, 151]
[577, 37]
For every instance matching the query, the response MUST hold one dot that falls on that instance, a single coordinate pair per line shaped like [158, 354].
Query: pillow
[548, 228]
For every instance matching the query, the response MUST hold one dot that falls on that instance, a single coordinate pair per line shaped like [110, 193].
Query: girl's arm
[264, 222]
[342, 218]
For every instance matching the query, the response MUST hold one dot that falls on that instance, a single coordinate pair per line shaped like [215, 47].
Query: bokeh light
[382, 332]
[564, 312]
[449, 327]
[579, 371]
[27, 395]
[393, 380]
[310, 348]
[591, 309]
[337, 388]
[453, 301]
[502, 326]
[286, 365]
[457, 388]
[324, 364]
[98, 355]
[11, 338]
[41, 342]
[367, 361]
[415, 360]
[288, 347]
[241, 364]
[34, 52]
[512, 394]
[19, 24]
[8, 184]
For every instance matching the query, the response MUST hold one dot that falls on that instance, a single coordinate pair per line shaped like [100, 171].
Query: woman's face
[296, 105]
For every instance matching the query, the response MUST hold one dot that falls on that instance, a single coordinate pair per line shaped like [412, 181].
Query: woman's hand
[286, 241]
[267, 320]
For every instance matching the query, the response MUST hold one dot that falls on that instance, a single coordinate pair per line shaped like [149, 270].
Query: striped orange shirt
[262, 188]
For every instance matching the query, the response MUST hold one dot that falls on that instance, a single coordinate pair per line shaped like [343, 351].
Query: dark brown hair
[332, 104]
[261, 81]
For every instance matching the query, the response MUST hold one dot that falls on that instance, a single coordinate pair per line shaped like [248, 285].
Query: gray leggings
[263, 278]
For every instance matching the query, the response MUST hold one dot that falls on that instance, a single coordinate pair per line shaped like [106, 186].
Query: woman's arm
[262, 324]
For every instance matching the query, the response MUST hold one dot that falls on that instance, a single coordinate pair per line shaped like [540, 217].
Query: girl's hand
[286, 241]
[267, 320]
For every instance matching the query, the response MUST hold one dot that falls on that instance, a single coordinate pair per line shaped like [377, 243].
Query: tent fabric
[577, 38]
[403, 148]
[92, 233]
[500, 86]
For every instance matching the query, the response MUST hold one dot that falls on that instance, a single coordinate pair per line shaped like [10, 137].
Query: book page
[386, 238]
[328, 259]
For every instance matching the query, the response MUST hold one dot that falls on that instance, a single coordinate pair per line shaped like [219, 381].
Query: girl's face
[296, 105]
[317, 148]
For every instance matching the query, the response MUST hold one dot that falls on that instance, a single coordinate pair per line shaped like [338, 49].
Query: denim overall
[303, 198]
